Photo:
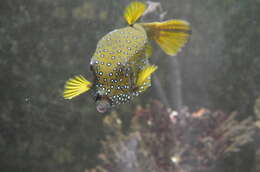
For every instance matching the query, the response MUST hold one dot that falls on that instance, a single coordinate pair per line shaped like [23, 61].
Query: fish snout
[103, 106]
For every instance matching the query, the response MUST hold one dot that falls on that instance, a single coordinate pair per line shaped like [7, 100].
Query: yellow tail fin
[144, 74]
[134, 11]
[76, 86]
[171, 35]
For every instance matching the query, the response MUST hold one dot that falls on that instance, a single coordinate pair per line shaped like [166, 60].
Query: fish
[120, 64]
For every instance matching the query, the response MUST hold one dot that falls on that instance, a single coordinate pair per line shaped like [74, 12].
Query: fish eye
[91, 67]
[97, 96]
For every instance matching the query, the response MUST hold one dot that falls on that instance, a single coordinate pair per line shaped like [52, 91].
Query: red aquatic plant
[184, 140]
[163, 140]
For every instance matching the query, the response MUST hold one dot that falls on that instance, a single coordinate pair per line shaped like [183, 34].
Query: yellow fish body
[120, 63]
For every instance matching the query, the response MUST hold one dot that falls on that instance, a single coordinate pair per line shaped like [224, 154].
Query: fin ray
[76, 86]
[134, 11]
[144, 74]
[171, 35]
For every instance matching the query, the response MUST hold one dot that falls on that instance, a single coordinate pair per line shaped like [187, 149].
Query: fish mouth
[103, 106]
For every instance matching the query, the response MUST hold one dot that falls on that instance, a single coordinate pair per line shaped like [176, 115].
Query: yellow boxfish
[120, 64]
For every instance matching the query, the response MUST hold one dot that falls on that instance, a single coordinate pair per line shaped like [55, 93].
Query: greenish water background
[44, 42]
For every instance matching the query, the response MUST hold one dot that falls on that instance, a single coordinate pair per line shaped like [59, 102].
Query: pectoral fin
[145, 74]
[76, 86]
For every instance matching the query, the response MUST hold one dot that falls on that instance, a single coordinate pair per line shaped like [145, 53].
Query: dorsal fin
[134, 11]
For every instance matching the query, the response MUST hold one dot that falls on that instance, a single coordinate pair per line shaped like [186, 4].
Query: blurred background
[44, 42]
